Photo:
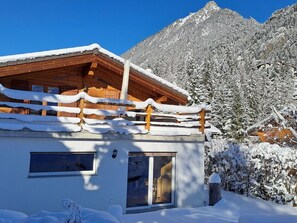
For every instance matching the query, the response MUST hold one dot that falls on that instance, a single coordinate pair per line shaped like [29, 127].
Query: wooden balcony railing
[130, 117]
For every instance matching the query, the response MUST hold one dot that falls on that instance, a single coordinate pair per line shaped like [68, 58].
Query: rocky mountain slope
[193, 37]
[239, 66]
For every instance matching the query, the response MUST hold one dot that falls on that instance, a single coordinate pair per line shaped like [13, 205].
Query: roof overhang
[47, 60]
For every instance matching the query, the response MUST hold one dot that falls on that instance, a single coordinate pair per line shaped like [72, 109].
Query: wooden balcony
[81, 112]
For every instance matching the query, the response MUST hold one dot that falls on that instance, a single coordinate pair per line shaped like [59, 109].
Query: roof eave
[11, 60]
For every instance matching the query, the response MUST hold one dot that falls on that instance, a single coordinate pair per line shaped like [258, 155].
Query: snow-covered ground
[232, 208]
[229, 209]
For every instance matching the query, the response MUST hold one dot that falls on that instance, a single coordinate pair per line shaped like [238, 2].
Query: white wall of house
[20, 192]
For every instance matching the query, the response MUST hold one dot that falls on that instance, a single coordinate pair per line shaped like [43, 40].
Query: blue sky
[116, 25]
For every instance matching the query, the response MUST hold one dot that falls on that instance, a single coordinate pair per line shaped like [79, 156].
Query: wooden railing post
[149, 111]
[202, 120]
[81, 106]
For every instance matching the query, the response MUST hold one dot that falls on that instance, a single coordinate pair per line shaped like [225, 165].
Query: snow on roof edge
[92, 47]
[48, 53]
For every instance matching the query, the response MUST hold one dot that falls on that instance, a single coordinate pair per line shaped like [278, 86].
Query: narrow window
[52, 90]
[36, 88]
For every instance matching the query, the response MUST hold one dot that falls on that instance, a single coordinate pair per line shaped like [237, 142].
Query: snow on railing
[129, 117]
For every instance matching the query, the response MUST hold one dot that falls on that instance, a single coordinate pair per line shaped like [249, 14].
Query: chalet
[85, 124]
[279, 127]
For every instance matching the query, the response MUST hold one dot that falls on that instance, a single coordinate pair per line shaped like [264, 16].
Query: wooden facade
[99, 75]
[277, 128]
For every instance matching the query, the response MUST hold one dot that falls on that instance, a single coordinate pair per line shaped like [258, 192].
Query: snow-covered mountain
[192, 37]
[239, 66]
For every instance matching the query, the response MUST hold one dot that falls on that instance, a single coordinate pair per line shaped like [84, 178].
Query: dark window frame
[45, 89]
[150, 196]
[86, 160]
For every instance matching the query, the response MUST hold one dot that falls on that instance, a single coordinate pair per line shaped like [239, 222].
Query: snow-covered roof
[278, 117]
[25, 57]
[260, 124]
[93, 48]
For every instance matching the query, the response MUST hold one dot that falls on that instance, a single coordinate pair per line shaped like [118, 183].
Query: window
[36, 88]
[51, 90]
[151, 178]
[62, 163]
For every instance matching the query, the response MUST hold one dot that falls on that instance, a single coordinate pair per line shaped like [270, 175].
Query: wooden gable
[97, 74]
[276, 128]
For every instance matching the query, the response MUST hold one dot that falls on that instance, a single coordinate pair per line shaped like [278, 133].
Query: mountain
[239, 66]
[192, 37]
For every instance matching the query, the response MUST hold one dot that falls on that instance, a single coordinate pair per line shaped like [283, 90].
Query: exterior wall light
[114, 153]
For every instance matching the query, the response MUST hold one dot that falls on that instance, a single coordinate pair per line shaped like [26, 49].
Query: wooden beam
[202, 121]
[92, 68]
[46, 80]
[149, 111]
[30, 67]
[81, 105]
[110, 64]
[161, 99]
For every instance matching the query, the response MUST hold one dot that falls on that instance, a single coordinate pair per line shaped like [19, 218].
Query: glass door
[150, 179]
[137, 189]
[162, 180]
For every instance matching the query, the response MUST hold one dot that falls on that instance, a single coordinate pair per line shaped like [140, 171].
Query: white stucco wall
[108, 186]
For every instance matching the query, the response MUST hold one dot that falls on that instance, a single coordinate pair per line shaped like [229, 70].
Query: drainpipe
[125, 82]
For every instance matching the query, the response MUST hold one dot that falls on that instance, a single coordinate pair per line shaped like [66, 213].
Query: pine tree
[238, 116]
